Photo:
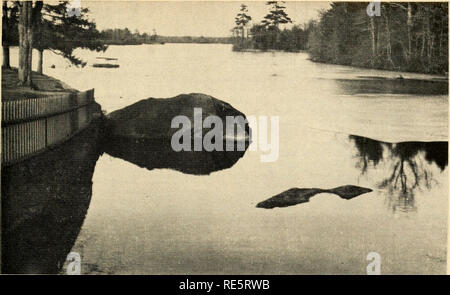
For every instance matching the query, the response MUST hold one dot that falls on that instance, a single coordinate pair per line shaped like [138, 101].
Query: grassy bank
[43, 86]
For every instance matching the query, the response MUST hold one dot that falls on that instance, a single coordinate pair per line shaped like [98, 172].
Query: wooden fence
[30, 126]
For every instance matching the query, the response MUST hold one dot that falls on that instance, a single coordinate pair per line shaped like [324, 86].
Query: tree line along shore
[403, 36]
[126, 37]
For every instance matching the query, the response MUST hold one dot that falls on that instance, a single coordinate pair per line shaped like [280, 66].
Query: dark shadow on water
[157, 154]
[44, 202]
[409, 164]
[379, 85]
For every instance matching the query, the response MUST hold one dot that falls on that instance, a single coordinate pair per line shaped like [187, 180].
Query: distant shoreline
[112, 40]
[268, 50]
[162, 43]
[437, 75]
[252, 50]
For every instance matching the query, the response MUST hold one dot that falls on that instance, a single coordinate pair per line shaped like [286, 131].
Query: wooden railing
[30, 126]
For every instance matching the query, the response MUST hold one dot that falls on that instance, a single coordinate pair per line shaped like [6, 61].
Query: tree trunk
[388, 37]
[430, 39]
[5, 64]
[422, 50]
[5, 31]
[410, 26]
[25, 43]
[40, 61]
[441, 38]
[374, 36]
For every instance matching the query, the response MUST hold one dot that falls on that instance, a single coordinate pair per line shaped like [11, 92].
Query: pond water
[338, 126]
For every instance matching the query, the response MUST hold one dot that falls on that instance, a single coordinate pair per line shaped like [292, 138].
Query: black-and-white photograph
[224, 138]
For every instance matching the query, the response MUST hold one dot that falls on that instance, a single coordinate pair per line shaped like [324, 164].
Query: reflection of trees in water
[409, 173]
[369, 152]
[407, 166]
[411, 167]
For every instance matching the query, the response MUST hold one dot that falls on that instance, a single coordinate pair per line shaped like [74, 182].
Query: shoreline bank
[252, 50]
[35, 121]
[44, 86]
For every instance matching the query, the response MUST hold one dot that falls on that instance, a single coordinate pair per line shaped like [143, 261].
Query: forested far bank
[126, 37]
[406, 36]
[403, 36]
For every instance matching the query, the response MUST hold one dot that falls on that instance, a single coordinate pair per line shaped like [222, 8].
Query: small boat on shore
[107, 58]
[112, 64]
[106, 65]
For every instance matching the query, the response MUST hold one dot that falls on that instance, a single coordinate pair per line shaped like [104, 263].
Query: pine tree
[276, 16]
[241, 21]
[62, 34]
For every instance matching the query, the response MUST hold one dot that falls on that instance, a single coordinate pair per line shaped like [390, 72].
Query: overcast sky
[176, 18]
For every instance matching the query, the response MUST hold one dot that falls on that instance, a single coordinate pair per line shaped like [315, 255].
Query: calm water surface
[338, 126]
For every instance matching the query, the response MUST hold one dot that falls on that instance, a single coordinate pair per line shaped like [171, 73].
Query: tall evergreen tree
[62, 34]
[276, 16]
[241, 21]
[272, 21]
